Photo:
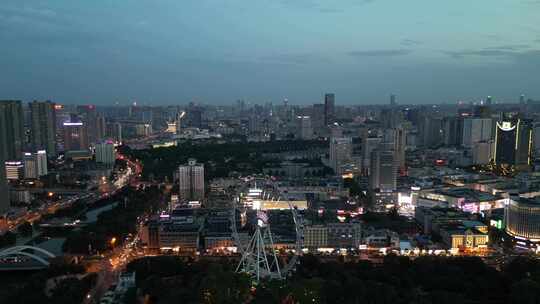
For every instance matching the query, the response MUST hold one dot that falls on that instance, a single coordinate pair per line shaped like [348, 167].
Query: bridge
[24, 258]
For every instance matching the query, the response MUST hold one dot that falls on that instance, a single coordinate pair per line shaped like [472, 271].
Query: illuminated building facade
[513, 144]
[522, 218]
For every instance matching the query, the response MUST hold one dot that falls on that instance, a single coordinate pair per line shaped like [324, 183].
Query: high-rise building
[390, 118]
[191, 181]
[489, 100]
[392, 100]
[101, 127]
[114, 131]
[105, 153]
[43, 126]
[329, 108]
[430, 131]
[482, 152]
[30, 166]
[75, 136]
[370, 144]
[476, 130]
[318, 119]
[11, 129]
[513, 143]
[340, 153]
[304, 127]
[383, 172]
[41, 159]
[194, 116]
[4, 191]
[89, 117]
[452, 131]
[400, 142]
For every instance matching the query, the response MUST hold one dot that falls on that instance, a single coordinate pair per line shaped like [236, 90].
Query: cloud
[289, 58]
[480, 53]
[523, 57]
[410, 42]
[324, 6]
[509, 47]
[380, 53]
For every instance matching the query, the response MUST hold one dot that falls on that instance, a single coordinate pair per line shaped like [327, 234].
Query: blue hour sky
[217, 51]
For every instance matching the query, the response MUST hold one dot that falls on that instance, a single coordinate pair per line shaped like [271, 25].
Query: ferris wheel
[250, 225]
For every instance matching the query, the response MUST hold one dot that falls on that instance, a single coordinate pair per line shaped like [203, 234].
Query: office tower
[383, 173]
[340, 153]
[11, 129]
[392, 100]
[305, 129]
[30, 166]
[191, 181]
[318, 120]
[101, 128]
[194, 116]
[14, 170]
[43, 126]
[489, 100]
[329, 108]
[75, 136]
[400, 142]
[522, 99]
[452, 131]
[89, 118]
[105, 153]
[114, 131]
[370, 144]
[41, 159]
[430, 131]
[4, 191]
[482, 152]
[390, 118]
[513, 143]
[476, 130]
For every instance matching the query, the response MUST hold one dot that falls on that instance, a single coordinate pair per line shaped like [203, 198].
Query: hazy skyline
[217, 51]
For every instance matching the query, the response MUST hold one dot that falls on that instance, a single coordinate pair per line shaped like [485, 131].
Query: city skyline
[265, 51]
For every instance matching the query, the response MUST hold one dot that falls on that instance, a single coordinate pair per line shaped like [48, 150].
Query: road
[133, 171]
[115, 261]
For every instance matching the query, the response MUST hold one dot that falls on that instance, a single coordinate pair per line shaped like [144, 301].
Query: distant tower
[340, 152]
[522, 99]
[305, 128]
[489, 100]
[191, 181]
[383, 172]
[329, 107]
[392, 100]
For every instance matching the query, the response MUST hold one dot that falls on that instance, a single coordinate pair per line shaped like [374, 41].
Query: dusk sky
[217, 51]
